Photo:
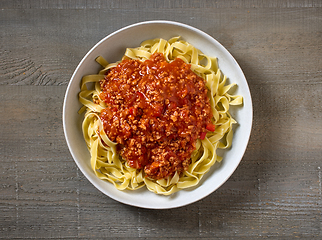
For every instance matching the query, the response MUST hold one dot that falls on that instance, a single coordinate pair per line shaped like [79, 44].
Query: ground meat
[155, 111]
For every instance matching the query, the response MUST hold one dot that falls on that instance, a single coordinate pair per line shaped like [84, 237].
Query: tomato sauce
[155, 111]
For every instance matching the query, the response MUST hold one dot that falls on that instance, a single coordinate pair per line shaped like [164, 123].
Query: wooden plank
[35, 119]
[288, 45]
[39, 182]
[164, 4]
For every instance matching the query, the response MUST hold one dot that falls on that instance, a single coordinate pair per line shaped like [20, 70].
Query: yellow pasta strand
[108, 164]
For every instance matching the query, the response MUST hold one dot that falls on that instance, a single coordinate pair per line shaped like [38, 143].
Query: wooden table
[274, 193]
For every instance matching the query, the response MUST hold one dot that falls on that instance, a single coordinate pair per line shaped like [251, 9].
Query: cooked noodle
[105, 160]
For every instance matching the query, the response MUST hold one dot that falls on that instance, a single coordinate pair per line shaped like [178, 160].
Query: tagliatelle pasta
[106, 161]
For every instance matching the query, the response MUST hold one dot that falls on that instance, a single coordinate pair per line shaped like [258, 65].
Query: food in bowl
[157, 117]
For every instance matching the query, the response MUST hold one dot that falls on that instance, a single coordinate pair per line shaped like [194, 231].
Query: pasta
[106, 161]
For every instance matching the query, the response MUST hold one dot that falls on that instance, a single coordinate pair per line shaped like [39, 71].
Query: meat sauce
[155, 111]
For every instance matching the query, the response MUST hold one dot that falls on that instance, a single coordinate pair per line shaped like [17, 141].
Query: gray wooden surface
[274, 193]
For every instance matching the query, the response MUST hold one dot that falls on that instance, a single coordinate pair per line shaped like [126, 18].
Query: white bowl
[112, 48]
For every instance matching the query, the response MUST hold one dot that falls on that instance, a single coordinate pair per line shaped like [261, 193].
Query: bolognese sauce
[155, 111]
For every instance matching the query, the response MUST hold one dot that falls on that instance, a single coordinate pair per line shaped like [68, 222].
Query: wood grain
[274, 193]
[150, 4]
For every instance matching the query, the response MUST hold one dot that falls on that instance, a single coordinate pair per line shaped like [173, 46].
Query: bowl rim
[67, 96]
